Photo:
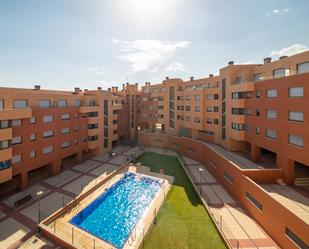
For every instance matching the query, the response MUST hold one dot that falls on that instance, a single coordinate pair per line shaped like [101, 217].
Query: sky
[62, 44]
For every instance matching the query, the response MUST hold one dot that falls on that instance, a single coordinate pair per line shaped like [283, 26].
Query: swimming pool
[112, 216]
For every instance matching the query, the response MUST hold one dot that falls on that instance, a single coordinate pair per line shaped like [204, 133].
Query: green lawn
[182, 221]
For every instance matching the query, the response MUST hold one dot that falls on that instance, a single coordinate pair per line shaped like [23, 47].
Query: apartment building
[258, 110]
[42, 130]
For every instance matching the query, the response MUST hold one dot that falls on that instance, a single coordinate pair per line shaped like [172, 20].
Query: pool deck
[18, 226]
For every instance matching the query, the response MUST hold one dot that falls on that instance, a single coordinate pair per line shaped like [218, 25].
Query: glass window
[271, 114]
[16, 122]
[32, 153]
[281, 72]
[4, 144]
[209, 96]
[32, 137]
[300, 244]
[1, 104]
[48, 149]
[296, 92]
[197, 109]
[257, 77]
[16, 159]
[65, 144]
[303, 67]
[271, 93]
[48, 118]
[62, 103]
[296, 116]
[20, 104]
[48, 134]
[65, 130]
[65, 116]
[4, 124]
[44, 103]
[271, 133]
[208, 109]
[257, 130]
[257, 94]
[296, 140]
[254, 201]
[77, 102]
[188, 108]
[197, 97]
[32, 120]
[16, 140]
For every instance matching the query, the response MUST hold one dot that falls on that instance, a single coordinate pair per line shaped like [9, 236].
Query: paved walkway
[18, 226]
[297, 203]
[240, 229]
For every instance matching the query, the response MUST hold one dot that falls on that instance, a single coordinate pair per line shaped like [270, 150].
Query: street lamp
[38, 194]
[200, 170]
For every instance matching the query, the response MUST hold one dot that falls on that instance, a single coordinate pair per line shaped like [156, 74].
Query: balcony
[237, 135]
[6, 134]
[93, 120]
[243, 87]
[85, 109]
[9, 114]
[116, 107]
[6, 174]
[93, 144]
[5, 154]
[93, 132]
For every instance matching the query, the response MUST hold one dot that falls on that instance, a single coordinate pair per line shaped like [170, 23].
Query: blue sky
[60, 44]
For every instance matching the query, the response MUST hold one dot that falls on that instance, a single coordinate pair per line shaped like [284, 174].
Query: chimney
[116, 88]
[123, 87]
[283, 57]
[211, 75]
[191, 78]
[76, 89]
[99, 88]
[113, 89]
[127, 84]
[136, 84]
[167, 78]
[109, 89]
[85, 90]
[37, 87]
[231, 63]
[267, 60]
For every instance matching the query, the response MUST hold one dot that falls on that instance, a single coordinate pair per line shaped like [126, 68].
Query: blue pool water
[112, 216]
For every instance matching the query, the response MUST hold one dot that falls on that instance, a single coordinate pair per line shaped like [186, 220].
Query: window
[208, 109]
[238, 95]
[4, 144]
[16, 122]
[62, 103]
[271, 114]
[75, 115]
[32, 137]
[32, 153]
[76, 128]
[209, 96]
[271, 133]
[65, 116]
[188, 108]
[197, 97]
[216, 108]
[65, 144]
[1, 104]
[257, 77]
[216, 96]
[257, 130]
[76, 140]
[16, 140]
[238, 111]
[65, 130]
[197, 109]
[77, 102]
[228, 177]
[300, 244]
[48, 118]
[296, 140]
[238, 127]
[216, 121]
[257, 94]
[257, 112]
[296, 92]
[254, 201]
[303, 67]
[45, 103]
[4, 124]
[187, 118]
[248, 111]
[209, 120]
[17, 104]
[32, 120]
[271, 93]
[188, 97]
[48, 149]
[197, 120]
[16, 159]
[48, 134]
[281, 72]
[296, 116]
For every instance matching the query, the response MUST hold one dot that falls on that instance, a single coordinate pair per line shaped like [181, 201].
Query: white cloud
[291, 50]
[148, 54]
[280, 11]
[175, 67]
[96, 70]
